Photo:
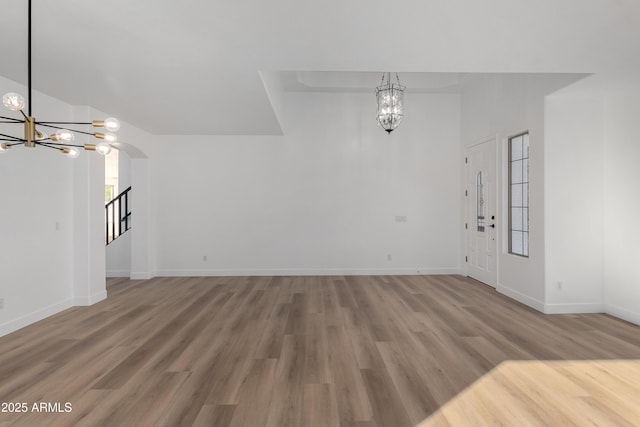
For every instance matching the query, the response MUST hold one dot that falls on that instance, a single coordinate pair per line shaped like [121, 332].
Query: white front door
[481, 223]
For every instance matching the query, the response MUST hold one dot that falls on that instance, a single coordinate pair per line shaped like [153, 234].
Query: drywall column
[140, 220]
[574, 204]
[621, 203]
[89, 285]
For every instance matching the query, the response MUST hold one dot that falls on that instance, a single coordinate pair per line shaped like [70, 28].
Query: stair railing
[118, 206]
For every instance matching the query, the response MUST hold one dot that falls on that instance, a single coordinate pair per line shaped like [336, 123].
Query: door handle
[492, 226]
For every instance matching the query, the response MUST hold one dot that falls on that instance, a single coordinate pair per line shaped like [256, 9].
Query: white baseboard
[36, 316]
[145, 275]
[310, 272]
[90, 300]
[623, 313]
[520, 297]
[117, 273]
[574, 308]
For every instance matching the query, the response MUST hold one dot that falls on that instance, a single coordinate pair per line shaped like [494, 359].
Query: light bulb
[111, 124]
[13, 101]
[41, 136]
[63, 135]
[72, 152]
[3, 148]
[109, 137]
[103, 148]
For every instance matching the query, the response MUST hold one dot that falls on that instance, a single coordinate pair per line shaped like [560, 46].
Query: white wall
[40, 224]
[574, 197]
[323, 199]
[89, 284]
[36, 232]
[131, 255]
[591, 195]
[118, 252]
[142, 220]
[124, 170]
[52, 253]
[622, 203]
[118, 257]
[505, 105]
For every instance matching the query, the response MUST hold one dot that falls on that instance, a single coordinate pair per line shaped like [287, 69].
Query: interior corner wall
[142, 238]
[131, 255]
[574, 204]
[334, 195]
[118, 257]
[622, 204]
[505, 105]
[275, 91]
[118, 252]
[89, 275]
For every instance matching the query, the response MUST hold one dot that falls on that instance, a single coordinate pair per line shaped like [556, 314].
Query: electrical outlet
[204, 258]
[401, 218]
[559, 284]
[389, 257]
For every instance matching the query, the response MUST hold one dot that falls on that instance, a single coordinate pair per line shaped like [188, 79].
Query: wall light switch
[401, 218]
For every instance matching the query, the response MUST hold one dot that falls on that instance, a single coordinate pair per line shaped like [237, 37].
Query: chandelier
[60, 138]
[390, 97]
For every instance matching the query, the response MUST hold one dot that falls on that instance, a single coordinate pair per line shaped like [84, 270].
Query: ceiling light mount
[62, 137]
[390, 98]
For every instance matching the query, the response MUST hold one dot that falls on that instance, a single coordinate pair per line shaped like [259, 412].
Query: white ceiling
[362, 81]
[192, 67]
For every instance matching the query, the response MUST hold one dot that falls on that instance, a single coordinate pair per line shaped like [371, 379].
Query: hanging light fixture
[61, 138]
[390, 97]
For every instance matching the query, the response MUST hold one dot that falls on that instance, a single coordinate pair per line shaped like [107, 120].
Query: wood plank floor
[320, 351]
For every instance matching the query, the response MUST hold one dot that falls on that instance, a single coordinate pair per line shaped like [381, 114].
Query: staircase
[118, 216]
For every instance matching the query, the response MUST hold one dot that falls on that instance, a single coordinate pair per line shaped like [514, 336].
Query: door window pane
[516, 219]
[516, 195]
[480, 203]
[516, 172]
[516, 242]
[516, 148]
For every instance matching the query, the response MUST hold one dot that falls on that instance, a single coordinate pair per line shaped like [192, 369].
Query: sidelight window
[519, 194]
